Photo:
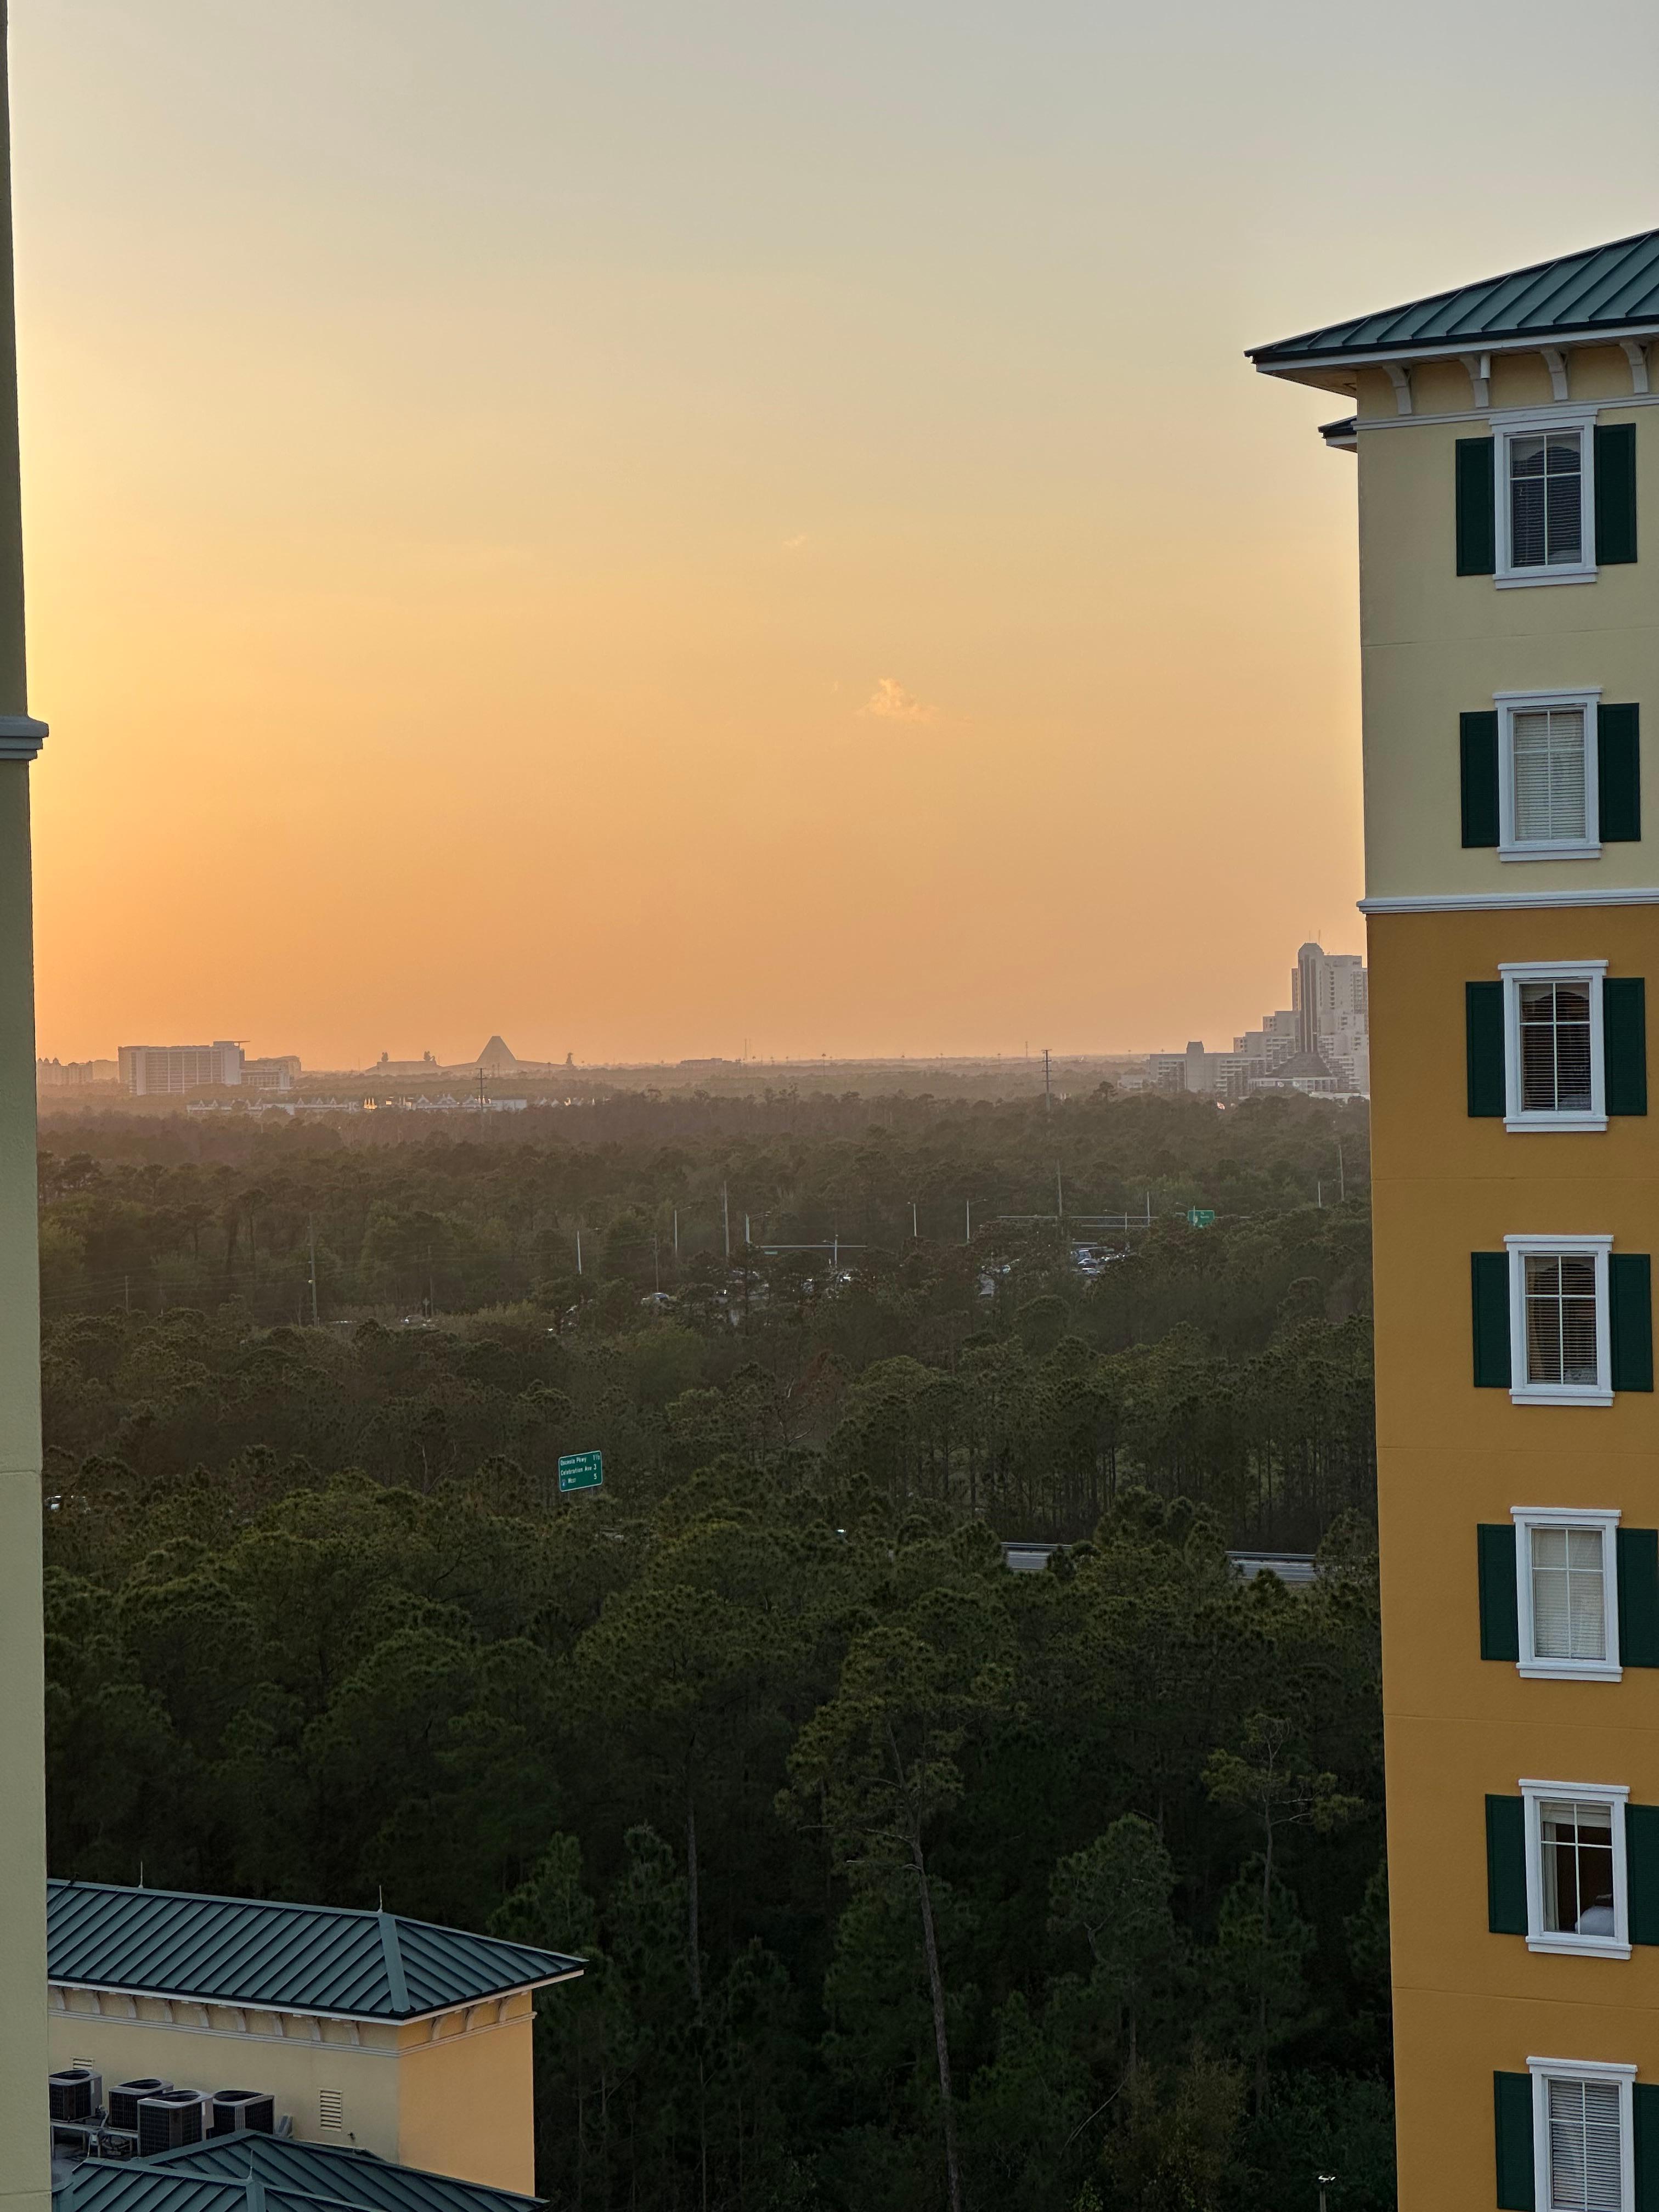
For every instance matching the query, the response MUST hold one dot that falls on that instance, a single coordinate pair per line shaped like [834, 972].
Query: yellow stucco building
[1508, 463]
[350, 2030]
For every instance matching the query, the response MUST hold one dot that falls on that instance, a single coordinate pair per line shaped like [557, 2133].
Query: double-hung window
[1577, 1885]
[1546, 485]
[1560, 1320]
[1554, 1061]
[1583, 2137]
[1567, 1593]
[1548, 795]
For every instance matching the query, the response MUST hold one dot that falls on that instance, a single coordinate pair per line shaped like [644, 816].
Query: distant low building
[278, 1073]
[73, 1074]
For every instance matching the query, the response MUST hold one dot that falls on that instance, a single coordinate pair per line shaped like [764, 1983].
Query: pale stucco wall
[204, 2050]
[467, 2102]
[1435, 644]
[452, 2095]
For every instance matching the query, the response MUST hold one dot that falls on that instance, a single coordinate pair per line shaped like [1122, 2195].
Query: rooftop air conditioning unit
[238, 2112]
[125, 2099]
[169, 2118]
[72, 2142]
[75, 2094]
[116, 2142]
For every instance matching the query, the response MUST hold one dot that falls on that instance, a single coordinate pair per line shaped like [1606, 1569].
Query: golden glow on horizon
[641, 530]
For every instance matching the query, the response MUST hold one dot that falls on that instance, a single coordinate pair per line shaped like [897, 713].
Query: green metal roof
[266, 2173]
[258, 1951]
[1599, 292]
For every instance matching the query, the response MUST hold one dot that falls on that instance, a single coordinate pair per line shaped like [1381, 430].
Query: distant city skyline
[744, 1052]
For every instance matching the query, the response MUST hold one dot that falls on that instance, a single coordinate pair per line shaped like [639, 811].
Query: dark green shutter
[1489, 1280]
[1645, 2100]
[1506, 1866]
[1615, 494]
[1619, 774]
[1478, 745]
[1637, 1552]
[1512, 2113]
[1477, 507]
[1483, 1024]
[1625, 1042]
[1500, 1620]
[1641, 1871]
[1629, 1276]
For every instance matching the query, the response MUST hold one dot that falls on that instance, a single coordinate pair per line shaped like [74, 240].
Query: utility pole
[677, 1235]
[1341, 1179]
[968, 1221]
[915, 1231]
[311, 1228]
[579, 1251]
[1047, 1095]
[726, 1220]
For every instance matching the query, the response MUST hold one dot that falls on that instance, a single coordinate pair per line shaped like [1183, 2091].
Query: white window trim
[1528, 423]
[1510, 848]
[1522, 1392]
[1526, 1519]
[1540, 1938]
[1517, 972]
[1545, 2070]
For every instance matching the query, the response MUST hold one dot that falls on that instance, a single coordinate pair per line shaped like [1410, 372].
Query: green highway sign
[1200, 1217]
[582, 1471]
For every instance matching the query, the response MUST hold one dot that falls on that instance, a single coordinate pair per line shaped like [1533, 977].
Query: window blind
[1568, 1612]
[1546, 510]
[1586, 2169]
[1548, 760]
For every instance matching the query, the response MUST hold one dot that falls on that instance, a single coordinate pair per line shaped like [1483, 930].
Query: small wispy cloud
[891, 703]
[793, 544]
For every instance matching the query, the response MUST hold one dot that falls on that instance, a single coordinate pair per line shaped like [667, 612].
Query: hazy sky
[651, 527]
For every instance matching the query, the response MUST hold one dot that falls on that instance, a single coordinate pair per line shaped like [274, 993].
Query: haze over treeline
[764, 1728]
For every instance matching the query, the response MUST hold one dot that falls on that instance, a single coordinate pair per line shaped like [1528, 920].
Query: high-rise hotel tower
[1508, 452]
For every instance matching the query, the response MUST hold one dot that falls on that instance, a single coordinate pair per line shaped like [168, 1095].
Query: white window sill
[1519, 1124]
[1578, 850]
[1581, 1946]
[1558, 1393]
[1570, 1670]
[1528, 578]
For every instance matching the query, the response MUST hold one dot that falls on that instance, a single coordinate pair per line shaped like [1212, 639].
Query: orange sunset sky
[650, 528]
